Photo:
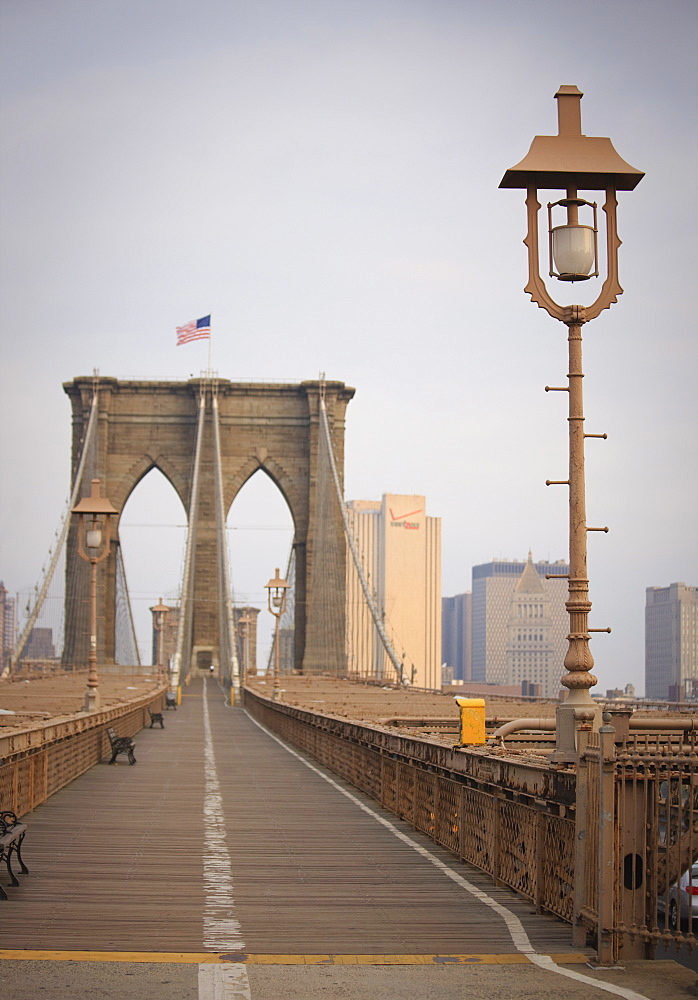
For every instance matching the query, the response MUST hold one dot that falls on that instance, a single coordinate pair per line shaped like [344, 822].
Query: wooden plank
[115, 859]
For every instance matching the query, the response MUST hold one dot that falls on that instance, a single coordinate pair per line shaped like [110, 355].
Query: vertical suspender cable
[185, 603]
[392, 655]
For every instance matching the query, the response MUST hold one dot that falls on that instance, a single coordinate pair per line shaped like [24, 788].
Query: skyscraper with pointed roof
[520, 623]
[530, 650]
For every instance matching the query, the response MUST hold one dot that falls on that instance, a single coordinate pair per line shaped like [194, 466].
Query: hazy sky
[322, 177]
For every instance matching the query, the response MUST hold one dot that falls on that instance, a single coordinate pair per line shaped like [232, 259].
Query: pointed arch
[272, 426]
[275, 471]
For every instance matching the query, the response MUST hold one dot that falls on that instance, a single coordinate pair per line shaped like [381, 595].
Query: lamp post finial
[569, 110]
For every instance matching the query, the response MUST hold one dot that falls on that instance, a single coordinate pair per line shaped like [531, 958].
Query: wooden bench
[121, 744]
[156, 717]
[11, 836]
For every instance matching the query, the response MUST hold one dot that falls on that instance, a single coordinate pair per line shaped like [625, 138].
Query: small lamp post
[571, 161]
[244, 623]
[94, 539]
[276, 594]
[159, 611]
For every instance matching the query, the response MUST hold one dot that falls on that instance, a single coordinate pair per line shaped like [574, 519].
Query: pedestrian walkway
[225, 865]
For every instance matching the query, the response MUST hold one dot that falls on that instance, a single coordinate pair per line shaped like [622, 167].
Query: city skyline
[323, 181]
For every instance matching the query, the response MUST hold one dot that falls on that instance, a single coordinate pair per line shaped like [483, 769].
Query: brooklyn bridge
[299, 829]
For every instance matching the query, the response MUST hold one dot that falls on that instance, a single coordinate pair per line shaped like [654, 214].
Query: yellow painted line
[202, 958]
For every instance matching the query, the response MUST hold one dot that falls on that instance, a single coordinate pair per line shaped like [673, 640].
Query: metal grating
[557, 891]
[517, 847]
[478, 829]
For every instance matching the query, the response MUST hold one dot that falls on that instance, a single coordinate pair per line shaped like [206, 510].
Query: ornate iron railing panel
[556, 861]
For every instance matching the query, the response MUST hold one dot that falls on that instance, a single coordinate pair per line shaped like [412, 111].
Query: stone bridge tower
[267, 426]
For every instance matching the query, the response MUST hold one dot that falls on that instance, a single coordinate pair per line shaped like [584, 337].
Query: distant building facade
[8, 625]
[520, 624]
[400, 551]
[456, 635]
[671, 641]
[39, 645]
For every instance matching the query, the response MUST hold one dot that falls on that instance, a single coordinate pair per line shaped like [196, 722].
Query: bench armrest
[8, 819]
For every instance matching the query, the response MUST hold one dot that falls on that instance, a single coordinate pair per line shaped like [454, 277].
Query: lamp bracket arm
[536, 287]
[611, 288]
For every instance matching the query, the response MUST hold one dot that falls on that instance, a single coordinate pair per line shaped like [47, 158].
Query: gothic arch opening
[260, 533]
[152, 533]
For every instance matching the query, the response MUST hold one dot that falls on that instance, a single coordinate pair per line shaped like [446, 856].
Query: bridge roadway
[222, 866]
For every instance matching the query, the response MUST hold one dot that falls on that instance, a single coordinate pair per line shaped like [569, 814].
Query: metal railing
[607, 844]
[38, 760]
[637, 805]
[520, 834]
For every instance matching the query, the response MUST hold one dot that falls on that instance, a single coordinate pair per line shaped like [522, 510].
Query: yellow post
[472, 721]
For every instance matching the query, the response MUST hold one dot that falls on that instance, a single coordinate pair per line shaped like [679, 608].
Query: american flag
[198, 329]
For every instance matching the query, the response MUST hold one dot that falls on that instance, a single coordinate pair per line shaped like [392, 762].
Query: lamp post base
[568, 716]
[92, 700]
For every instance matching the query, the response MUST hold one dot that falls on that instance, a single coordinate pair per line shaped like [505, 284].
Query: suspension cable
[125, 642]
[392, 655]
[227, 629]
[184, 625]
[60, 544]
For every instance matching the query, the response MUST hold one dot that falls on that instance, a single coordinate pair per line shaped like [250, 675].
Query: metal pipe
[666, 725]
[550, 725]
[517, 725]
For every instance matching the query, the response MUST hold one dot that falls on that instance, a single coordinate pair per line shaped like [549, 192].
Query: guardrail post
[582, 861]
[496, 828]
[541, 861]
[607, 944]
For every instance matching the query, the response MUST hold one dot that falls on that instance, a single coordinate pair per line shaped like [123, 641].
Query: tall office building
[400, 551]
[39, 645]
[671, 641]
[7, 627]
[520, 623]
[456, 629]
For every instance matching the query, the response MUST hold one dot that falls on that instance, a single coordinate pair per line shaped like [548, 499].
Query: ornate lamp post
[244, 623]
[94, 539]
[571, 161]
[159, 611]
[276, 594]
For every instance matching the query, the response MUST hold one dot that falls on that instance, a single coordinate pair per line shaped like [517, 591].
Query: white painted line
[223, 982]
[516, 929]
[221, 928]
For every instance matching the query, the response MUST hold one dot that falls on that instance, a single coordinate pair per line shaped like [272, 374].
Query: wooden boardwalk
[118, 861]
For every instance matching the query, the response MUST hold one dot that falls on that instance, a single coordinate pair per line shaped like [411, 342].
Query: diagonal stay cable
[225, 594]
[60, 545]
[184, 629]
[392, 655]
